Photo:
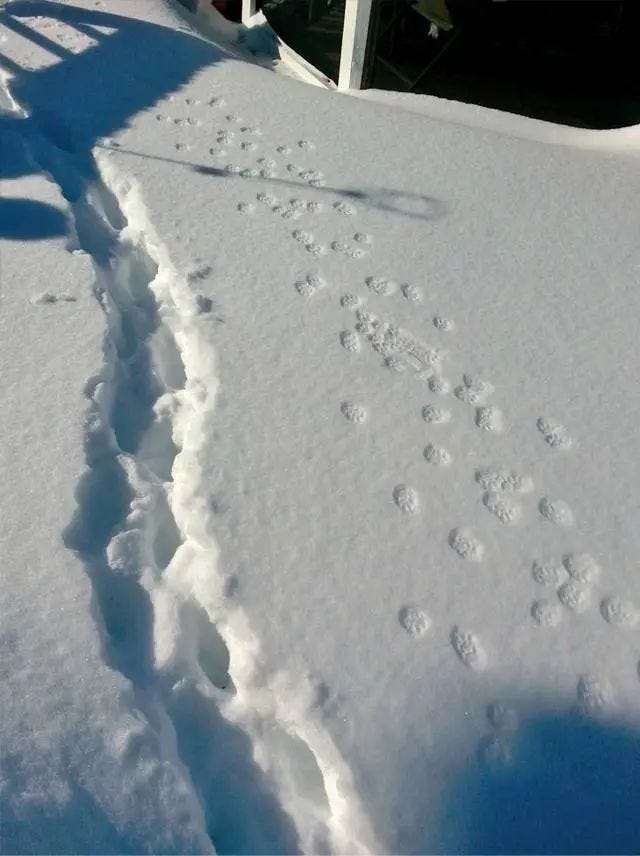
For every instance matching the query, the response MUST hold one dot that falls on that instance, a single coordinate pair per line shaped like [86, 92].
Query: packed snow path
[361, 500]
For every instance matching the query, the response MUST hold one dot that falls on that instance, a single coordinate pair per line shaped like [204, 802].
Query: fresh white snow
[320, 425]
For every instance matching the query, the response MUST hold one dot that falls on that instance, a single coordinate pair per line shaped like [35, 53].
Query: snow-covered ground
[320, 505]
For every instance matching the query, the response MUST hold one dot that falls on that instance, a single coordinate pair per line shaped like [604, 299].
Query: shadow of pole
[404, 203]
[107, 84]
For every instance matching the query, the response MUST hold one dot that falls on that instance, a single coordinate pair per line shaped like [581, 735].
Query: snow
[620, 140]
[320, 489]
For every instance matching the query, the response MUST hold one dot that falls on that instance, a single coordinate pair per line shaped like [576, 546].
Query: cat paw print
[381, 286]
[363, 238]
[267, 199]
[308, 286]
[350, 341]
[350, 301]
[434, 415]
[474, 390]
[546, 613]
[438, 384]
[502, 508]
[556, 511]
[466, 545]
[620, 613]
[548, 574]
[574, 597]
[308, 242]
[553, 433]
[489, 419]
[410, 292]
[582, 567]
[503, 480]
[446, 325]
[347, 250]
[406, 499]
[344, 208]
[353, 412]
[468, 649]
[414, 621]
[436, 455]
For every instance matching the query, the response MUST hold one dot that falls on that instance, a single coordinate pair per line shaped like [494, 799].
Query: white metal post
[248, 10]
[357, 15]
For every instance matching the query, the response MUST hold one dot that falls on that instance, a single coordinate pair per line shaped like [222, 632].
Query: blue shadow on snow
[569, 784]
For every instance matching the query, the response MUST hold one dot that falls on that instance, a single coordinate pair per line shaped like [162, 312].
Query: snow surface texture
[352, 564]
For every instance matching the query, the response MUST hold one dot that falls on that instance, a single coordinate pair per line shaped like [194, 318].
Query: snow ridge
[144, 529]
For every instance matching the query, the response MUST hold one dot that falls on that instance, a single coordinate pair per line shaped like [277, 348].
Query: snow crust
[320, 497]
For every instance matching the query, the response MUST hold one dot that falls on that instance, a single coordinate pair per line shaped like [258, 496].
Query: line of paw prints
[500, 485]
[574, 579]
[352, 412]
[306, 240]
[495, 749]
[581, 568]
[249, 143]
[405, 351]
[305, 145]
[385, 287]
[312, 177]
[388, 340]
[293, 209]
[593, 694]
[179, 121]
[185, 122]
[415, 621]
[224, 136]
[475, 391]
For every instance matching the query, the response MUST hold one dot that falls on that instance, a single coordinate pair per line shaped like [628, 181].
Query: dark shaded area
[412, 205]
[313, 28]
[106, 84]
[82, 822]
[243, 815]
[569, 784]
[23, 219]
[27, 220]
[99, 90]
[568, 61]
